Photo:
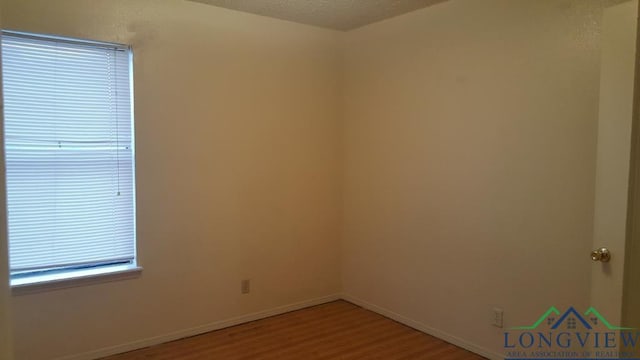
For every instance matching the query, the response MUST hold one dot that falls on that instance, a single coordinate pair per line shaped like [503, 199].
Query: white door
[619, 28]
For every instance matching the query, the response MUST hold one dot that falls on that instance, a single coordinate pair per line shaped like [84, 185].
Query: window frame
[75, 275]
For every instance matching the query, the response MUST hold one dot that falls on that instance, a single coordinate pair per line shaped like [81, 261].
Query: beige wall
[470, 149]
[6, 343]
[237, 171]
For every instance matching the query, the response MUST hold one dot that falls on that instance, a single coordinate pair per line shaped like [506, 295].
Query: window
[69, 154]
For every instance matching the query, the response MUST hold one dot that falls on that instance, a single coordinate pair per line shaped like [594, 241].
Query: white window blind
[69, 153]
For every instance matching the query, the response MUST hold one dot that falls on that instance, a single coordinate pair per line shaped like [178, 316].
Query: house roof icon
[571, 313]
[572, 318]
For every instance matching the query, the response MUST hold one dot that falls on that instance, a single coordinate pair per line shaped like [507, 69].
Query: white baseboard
[135, 345]
[425, 328]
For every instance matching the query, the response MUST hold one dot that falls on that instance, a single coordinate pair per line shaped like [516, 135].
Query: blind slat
[69, 152]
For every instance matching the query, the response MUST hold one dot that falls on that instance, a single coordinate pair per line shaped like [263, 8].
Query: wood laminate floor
[336, 330]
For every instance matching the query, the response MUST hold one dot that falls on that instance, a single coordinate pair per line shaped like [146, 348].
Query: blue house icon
[571, 318]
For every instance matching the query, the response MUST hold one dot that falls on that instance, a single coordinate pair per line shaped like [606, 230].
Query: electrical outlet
[245, 286]
[498, 317]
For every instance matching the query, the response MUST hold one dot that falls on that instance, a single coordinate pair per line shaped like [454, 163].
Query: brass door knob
[601, 254]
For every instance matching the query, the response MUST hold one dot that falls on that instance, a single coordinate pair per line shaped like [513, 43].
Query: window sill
[74, 278]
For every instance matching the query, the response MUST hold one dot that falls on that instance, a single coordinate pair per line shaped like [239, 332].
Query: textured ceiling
[333, 14]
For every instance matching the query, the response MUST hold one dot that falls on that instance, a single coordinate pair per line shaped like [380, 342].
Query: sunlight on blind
[69, 152]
